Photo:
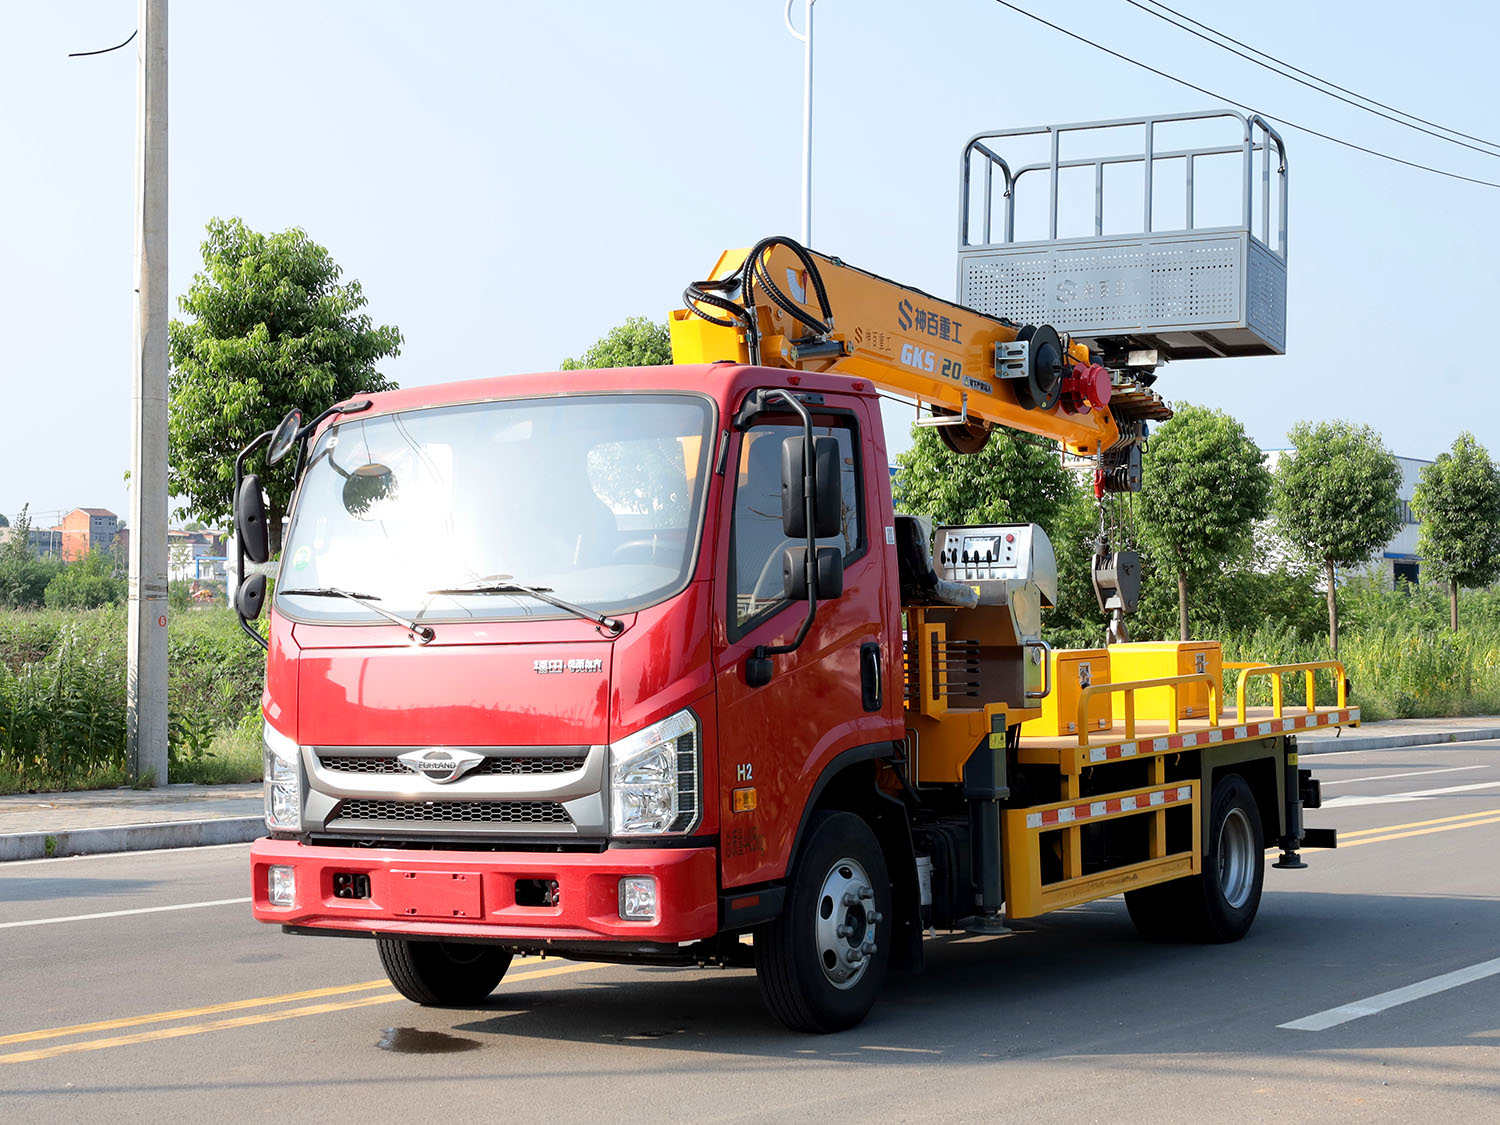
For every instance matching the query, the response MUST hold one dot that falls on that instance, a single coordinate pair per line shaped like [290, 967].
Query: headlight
[653, 778]
[283, 781]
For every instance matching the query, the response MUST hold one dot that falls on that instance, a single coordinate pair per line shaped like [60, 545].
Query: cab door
[832, 694]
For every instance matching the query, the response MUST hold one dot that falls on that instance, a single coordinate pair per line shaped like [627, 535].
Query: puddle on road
[412, 1041]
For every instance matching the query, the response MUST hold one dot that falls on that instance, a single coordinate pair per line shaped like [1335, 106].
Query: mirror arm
[810, 563]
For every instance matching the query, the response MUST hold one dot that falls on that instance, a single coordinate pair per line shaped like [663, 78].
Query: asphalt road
[136, 987]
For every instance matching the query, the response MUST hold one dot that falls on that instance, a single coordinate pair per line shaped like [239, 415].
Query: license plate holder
[448, 895]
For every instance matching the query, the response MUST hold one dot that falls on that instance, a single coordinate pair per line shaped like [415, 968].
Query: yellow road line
[233, 1022]
[1414, 824]
[1418, 832]
[194, 1029]
[188, 1013]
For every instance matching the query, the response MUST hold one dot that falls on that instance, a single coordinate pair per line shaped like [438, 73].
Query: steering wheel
[772, 567]
[623, 552]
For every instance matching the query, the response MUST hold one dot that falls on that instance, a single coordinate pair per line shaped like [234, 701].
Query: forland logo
[440, 765]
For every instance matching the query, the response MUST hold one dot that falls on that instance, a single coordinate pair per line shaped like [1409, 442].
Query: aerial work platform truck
[633, 665]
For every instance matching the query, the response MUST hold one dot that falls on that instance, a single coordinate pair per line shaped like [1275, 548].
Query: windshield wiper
[420, 633]
[504, 584]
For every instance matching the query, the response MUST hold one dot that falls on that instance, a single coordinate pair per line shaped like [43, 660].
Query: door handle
[869, 675]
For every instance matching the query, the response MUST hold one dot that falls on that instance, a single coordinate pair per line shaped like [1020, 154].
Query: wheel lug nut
[866, 892]
[851, 899]
[876, 916]
[854, 957]
[868, 949]
[843, 931]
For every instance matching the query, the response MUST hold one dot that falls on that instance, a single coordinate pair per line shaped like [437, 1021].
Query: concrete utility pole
[146, 707]
[806, 38]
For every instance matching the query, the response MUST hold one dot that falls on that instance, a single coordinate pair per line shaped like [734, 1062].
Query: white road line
[122, 913]
[1327, 781]
[1414, 795]
[1441, 743]
[1322, 1021]
[11, 864]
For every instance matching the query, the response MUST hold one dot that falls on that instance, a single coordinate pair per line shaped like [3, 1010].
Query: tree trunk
[1182, 599]
[1333, 610]
[273, 526]
[1453, 604]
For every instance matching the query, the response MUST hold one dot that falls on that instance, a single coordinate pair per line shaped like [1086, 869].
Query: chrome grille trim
[450, 812]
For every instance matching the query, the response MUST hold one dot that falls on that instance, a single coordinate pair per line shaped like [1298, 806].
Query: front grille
[450, 812]
[515, 766]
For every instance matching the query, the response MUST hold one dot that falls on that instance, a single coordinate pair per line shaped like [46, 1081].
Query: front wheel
[442, 974]
[1219, 904]
[821, 964]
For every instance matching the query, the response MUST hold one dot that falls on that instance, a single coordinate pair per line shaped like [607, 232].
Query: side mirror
[250, 520]
[828, 495]
[830, 578]
[284, 437]
[250, 597]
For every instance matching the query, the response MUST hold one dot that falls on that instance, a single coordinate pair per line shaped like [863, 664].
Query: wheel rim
[844, 927]
[1236, 858]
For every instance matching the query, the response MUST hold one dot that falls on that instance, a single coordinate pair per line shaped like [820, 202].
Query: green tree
[1335, 499]
[4, 521]
[86, 583]
[23, 576]
[1457, 500]
[638, 342]
[1015, 478]
[272, 328]
[1204, 487]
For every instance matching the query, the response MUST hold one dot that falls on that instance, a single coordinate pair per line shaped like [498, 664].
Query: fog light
[281, 886]
[638, 898]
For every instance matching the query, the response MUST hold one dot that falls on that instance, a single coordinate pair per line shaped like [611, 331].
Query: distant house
[195, 556]
[87, 529]
[42, 541]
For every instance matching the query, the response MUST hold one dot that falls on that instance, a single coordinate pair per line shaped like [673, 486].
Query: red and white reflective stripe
[1221, 734]
[1092, 810]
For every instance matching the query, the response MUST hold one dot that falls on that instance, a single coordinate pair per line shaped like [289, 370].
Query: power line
[1310, 85]
[1225, 98]
[1325, 81]
[105, 51]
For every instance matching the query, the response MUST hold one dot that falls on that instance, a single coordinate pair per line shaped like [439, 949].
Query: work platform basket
[1187, 292]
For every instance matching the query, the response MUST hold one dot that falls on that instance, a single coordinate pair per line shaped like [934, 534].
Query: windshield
[596, 499]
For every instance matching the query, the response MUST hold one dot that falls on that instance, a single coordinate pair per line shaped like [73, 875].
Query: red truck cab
[576, 741]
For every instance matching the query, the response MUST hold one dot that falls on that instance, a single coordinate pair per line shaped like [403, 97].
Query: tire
[816, 966]
[442, 974]
[1220, 904]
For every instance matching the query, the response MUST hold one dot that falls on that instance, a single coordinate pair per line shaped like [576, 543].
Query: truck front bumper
[466, 894]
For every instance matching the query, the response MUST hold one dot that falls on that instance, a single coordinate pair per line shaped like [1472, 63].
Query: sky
[509, 180]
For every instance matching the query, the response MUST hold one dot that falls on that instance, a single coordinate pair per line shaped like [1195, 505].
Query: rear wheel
[1220, 904]
[442, 974]
[821, 964]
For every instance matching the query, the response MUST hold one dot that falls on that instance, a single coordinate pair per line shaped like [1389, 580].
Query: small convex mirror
[285, 436]
[365, 487]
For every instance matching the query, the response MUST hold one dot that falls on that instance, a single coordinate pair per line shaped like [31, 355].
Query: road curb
[1327, 745]
[132, 837]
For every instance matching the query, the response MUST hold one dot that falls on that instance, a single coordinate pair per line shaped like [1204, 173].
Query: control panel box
[997, 559]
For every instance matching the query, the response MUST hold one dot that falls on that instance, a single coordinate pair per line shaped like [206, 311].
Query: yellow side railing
[1250, 669]
[1130, 687]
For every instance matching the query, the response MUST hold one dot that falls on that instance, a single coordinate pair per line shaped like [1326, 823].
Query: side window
[756, 539]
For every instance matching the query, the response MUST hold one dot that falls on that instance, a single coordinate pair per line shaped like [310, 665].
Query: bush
[90, 582]
[62, 695]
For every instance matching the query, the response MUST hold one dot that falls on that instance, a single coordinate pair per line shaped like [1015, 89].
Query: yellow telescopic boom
[779, 305]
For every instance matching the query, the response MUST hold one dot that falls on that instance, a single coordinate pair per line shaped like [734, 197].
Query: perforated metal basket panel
[1189, 294]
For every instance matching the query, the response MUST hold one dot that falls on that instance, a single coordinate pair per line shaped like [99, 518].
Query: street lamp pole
[806, 38]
